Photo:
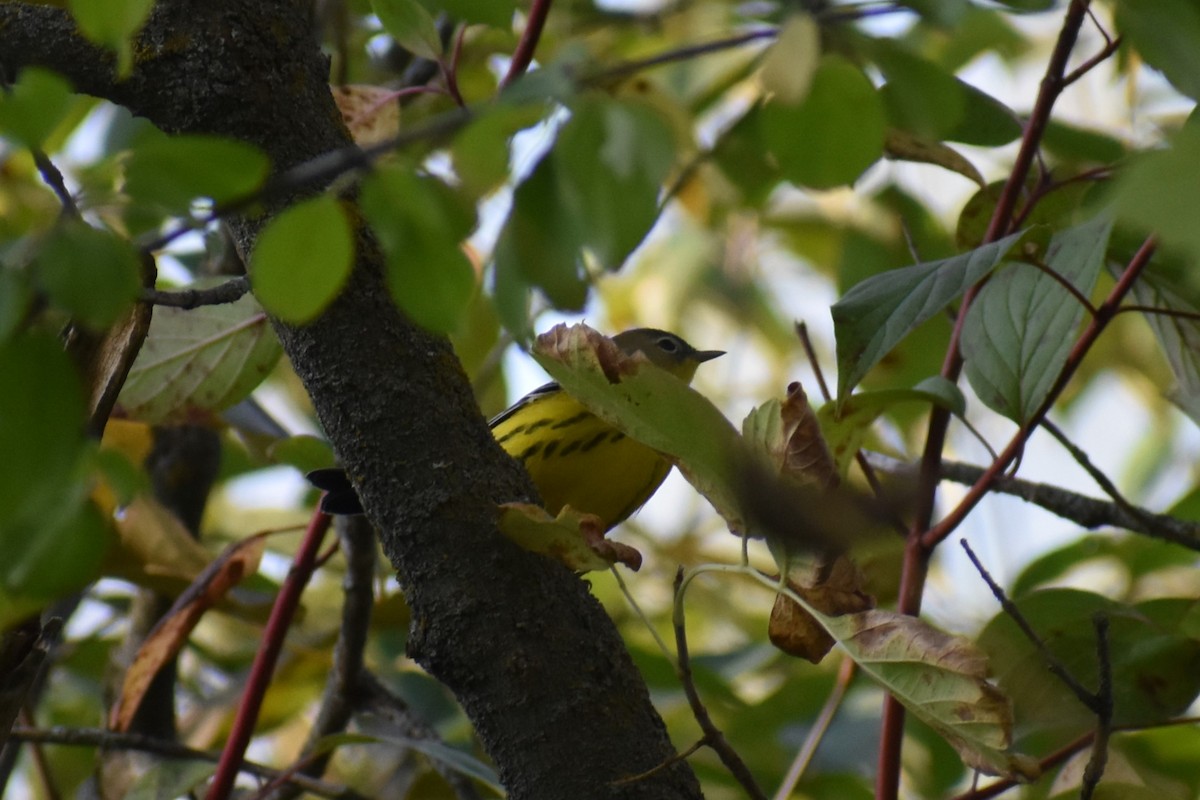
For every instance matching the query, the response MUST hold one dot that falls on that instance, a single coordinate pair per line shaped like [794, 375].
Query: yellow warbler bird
[573, 456]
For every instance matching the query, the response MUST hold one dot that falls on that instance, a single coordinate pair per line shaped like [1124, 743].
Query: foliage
[717, 169]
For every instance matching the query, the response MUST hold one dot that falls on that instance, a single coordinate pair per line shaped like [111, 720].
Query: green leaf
[15, 294]
[835, 134]
[411, 25]
[1022, 325]
[877, 313]
[34, 105]
[1028, 6]
[34, 571]
[1076, 144]
[542, 238]
[1155, 668]
[1157, 192]
[206, 358]
[421, 225]
[305, 453]
[496, 13]
[1165, 32]
[1179, 337]
[175, 170]
[42, 410]
[92, 273]
[919, 96]
[845, 425]
[302, 259]
[44, 512]
[112, 23]
[455, 759]
[612, 158]
[481, 150]
[791, 61]
[985, 121]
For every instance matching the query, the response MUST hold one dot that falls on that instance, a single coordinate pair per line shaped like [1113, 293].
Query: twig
[845, 677]
[523, 55]
[657, 768]
[281, 617]
[228, 292]
[1001, 786]
[1093, 471]
[337, 702]
[1053, 663]
[109, 740]
[54, 179]
[1087, 512]
[1178, 313]
[712, 735]
[1094, 770]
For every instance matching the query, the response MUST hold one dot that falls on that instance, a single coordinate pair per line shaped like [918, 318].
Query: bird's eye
[667, 344]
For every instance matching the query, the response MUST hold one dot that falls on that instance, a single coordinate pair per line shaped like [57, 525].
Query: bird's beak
[707, 355]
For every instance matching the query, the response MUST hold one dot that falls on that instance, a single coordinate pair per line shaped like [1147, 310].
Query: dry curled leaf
[836, 589]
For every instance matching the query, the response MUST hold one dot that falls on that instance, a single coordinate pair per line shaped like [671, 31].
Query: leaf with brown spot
[941, 679]
[164, 642]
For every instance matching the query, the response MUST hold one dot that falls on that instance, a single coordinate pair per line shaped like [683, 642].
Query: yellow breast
[576, 459]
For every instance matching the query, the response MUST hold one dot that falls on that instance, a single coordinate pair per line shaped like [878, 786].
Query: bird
[573, 457]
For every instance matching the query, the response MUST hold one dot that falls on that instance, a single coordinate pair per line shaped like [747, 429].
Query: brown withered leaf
[164, 642]
[104, 360]
[836, 589]
[806, 456]
[578, 344]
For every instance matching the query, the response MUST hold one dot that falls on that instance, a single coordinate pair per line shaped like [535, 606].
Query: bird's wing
[537, 394]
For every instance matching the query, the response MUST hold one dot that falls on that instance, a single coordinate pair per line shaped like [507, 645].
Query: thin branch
[54, 179]
[812, 741]
[109, 740]
[625, 69]
[1094, 472]
[1094, 770]
[1053, 663]
[281, 617]
[450, 71]
[523, 55]
[1191, 316]
[337, 702]
[1088, 512]
[712, 734]
[657, 768]
[1111, 46]
[228, 292]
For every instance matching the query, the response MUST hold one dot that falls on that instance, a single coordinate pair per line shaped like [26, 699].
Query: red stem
[919, 546]
[264, 662]
[523, 55]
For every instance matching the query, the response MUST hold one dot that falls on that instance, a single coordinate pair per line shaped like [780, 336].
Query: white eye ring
[668, 345]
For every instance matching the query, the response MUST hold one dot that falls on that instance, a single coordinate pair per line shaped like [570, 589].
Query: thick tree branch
[535, 662]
